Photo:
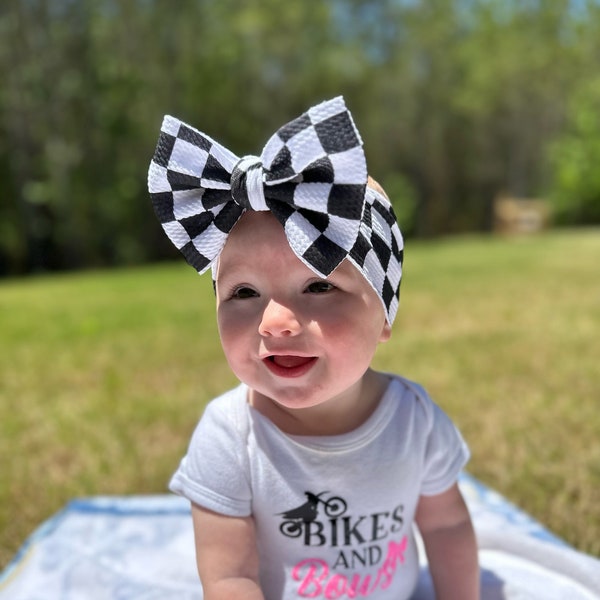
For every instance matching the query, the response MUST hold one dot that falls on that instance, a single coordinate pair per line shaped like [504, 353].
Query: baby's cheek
[229, 319]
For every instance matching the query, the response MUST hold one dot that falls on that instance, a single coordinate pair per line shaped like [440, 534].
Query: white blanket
[142, 547]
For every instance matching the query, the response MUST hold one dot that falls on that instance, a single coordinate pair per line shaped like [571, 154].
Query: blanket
[141, 547]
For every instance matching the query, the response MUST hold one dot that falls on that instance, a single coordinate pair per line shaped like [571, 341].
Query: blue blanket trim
[510, 513]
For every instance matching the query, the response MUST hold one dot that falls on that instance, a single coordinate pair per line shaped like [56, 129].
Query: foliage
[459, 99]
[104, 374]
[575, 157]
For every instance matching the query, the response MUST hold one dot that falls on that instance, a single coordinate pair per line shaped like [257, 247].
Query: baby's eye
[243, 292]
[320, 287]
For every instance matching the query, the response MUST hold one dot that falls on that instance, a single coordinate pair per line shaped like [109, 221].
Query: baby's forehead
[257, 237]
[256, 233]
[261, 235]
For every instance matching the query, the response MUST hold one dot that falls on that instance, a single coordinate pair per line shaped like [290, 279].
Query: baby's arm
[226, 556]
[449, 538]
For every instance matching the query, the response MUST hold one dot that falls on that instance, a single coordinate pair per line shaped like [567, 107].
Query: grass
[104, 374]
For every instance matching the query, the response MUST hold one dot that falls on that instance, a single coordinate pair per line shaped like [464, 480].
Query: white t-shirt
[333, 514]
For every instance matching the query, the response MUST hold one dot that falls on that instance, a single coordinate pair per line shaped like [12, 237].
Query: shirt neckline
[343, 442]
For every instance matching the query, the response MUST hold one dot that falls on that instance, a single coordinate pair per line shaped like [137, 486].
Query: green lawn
[104, 374]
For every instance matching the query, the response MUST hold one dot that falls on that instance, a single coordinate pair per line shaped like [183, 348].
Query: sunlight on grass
[505, 336]
[103, 375]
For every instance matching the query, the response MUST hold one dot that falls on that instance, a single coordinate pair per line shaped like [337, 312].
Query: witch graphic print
[334, 514]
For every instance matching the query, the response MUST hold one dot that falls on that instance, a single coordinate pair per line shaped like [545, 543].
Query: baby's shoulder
[411, 397]
[408, 390]
[227, 411]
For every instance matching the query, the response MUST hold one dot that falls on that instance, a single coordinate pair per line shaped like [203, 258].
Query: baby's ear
[386, 332]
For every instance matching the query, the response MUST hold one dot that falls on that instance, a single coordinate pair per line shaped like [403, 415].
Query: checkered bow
[311, 175]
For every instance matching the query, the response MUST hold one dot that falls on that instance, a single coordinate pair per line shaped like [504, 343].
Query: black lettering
[309, 533]
[341, 561]
[397, 516]
[357, 557]
[352, 531]
[368, 556]
[378, 531]
[374, 554]
[334, 540]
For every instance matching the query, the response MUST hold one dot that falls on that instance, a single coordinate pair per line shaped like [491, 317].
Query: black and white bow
[311, 175]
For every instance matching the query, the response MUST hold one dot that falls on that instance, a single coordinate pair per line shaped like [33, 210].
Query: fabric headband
[312, 175]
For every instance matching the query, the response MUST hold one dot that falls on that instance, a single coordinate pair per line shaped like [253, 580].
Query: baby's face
[290, 335]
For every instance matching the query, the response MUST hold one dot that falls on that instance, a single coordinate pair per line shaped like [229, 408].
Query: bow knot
[247, 185]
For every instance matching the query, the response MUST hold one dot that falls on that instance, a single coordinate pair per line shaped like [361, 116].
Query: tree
[575, 156]
[457, 100]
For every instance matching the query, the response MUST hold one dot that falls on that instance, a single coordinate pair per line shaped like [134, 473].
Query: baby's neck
[333, 417]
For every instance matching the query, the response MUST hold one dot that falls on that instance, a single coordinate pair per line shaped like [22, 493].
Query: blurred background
[461, 103]
[481, 119]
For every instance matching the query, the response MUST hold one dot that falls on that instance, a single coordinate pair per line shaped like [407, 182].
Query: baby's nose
[279, 320]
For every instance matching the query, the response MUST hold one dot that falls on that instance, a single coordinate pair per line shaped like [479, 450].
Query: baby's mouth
[289, 365]
[289, 361]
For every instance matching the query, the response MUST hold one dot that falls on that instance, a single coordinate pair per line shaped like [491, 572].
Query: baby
[306, 479]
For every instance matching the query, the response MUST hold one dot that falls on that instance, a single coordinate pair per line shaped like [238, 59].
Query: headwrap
[311, 175]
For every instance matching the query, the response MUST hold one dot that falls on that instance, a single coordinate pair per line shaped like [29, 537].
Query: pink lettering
[315, 580]
[358, 586]
[336, 587]
[394, 556]
[311, 582]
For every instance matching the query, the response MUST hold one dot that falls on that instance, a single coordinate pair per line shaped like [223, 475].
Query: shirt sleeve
[446, 453]
[214, 472]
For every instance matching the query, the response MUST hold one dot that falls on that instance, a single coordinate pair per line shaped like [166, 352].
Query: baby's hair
[375, 186]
